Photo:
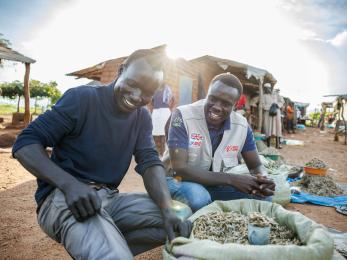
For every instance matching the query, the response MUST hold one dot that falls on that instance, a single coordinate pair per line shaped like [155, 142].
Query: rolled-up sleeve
[145, 152]
[49, 128]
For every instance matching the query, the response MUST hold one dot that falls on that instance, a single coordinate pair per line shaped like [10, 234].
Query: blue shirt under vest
[91, 139]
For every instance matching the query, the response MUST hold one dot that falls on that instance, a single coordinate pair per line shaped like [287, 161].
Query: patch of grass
[8, 109]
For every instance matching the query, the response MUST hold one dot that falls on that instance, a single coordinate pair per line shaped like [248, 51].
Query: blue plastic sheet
[319, 200]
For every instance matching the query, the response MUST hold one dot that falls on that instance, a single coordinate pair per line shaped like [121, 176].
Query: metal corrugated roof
[248, 70]
[9, 54]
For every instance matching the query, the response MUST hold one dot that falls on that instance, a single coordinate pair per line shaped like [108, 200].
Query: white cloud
[339, 40]
[84, 33]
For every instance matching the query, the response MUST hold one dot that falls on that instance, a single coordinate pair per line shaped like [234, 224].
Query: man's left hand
[174, 226]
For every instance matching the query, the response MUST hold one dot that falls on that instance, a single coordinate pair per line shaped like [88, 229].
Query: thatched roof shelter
[7, 53]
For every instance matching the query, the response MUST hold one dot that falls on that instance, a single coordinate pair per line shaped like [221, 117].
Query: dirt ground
[21, 237]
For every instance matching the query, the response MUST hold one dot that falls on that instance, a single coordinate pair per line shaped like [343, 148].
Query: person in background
[161, 105]
[290, 119]
[298, 115]
[205, 141]
[272, 124]
[95, 132]
[240, 106]
[321, 122]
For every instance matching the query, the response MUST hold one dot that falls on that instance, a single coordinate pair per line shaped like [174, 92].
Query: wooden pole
[26, 94]
[260, 105]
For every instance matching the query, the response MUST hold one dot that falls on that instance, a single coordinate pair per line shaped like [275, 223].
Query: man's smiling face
[136, 85]
[220, 101]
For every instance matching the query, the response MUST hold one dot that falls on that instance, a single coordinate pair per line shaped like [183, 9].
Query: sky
[302, 43]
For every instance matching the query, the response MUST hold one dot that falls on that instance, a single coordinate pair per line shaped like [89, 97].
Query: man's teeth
[129, 103]
[214, 116]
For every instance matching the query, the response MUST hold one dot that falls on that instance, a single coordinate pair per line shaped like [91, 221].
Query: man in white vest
[207, 139]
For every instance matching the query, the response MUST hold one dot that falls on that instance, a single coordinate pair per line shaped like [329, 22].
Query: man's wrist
[259, 171]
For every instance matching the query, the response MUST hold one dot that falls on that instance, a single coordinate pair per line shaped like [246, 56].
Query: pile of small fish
[272, 166]
[320, 186]
[316, 163]
[232, 227]
[261, 146]
[258, 220]
[269, 151]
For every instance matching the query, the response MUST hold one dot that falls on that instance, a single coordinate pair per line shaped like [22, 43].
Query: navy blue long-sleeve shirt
[91, 139]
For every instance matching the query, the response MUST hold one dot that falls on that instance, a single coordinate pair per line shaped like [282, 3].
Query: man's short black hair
[153, 57]
[229, 80]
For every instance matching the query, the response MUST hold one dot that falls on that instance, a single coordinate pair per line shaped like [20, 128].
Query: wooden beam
[260, 105]
[26, 94]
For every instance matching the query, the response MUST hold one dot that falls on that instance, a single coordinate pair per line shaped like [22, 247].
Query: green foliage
[52, 91]
[12, 90]
[315, 116]
[38, 90]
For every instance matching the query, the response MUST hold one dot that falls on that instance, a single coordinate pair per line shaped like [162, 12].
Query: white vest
[200, 147]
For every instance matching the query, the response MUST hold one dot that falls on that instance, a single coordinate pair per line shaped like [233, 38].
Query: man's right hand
[82, 200]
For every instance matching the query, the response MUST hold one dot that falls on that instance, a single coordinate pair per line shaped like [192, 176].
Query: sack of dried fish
[232, 227]
[316, 242]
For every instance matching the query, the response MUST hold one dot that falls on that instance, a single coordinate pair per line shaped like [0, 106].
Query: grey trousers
[128, 224]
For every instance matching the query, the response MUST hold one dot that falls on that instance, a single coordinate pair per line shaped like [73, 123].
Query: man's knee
[193, 194]
[199, 198]
[198, 203]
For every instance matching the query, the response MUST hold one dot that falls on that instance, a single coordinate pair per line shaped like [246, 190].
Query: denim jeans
[197, 196]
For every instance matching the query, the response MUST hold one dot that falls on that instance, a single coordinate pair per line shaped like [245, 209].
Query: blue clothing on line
[178, 137]
[91, 139]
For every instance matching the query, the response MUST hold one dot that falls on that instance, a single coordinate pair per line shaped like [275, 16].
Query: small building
[180, 74]
[190, 80]
[6, 53]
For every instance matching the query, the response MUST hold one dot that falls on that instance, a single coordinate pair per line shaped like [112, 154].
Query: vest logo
[195, 140]
[231, 148]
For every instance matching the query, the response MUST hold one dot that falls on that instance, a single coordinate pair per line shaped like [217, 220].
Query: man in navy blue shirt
[94, 132]
[206, 140]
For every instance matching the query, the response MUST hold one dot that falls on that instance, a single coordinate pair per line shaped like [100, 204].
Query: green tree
[37, 91]
[12, 90]
[52, 91]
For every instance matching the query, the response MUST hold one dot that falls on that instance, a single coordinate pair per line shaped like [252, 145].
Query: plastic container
[282, 191]
[181, 210]
[258, 235]
[274, 157]
[259, 137]
[316, 171]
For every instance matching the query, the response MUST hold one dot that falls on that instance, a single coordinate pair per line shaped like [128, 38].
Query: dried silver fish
[320, 185]
[316, 163]
[232, 227]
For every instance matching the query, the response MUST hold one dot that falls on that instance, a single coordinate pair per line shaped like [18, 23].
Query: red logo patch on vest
[231, 148]
[195, 140]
